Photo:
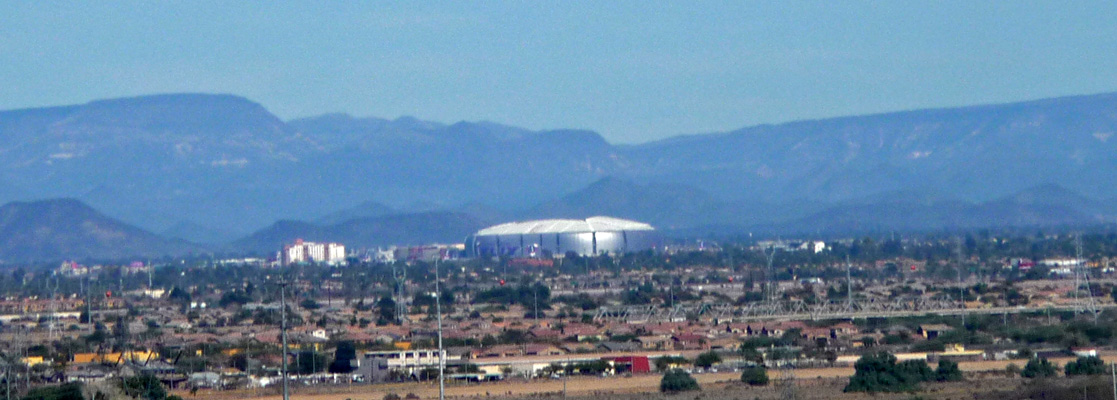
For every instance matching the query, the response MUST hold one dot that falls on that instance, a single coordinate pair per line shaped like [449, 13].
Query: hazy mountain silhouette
[1046, 205]
[401, 229]
[60, 229]
[179, 163]
[368, 209]
[975, 153]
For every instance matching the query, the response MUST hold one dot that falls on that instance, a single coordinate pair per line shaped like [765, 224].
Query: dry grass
[810, 383]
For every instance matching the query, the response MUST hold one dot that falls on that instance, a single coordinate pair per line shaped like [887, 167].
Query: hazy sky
[634, 71]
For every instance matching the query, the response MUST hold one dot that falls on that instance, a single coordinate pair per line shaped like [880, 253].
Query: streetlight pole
[283, 333]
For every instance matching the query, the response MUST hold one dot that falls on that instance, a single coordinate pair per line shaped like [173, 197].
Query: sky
[635, 71]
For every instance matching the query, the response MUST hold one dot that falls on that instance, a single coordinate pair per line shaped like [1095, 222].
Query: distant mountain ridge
[368, 232]
[976, 153]
[211, 167]
[58, 229]
[693, 212]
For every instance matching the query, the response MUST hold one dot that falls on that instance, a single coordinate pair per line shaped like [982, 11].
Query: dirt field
[810, 383]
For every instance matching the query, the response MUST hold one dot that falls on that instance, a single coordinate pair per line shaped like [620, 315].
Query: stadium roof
[591, 224]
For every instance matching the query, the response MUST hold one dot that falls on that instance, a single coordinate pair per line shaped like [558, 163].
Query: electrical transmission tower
[399, 273]
[1082, 276]
[771, 274]
[849, 285]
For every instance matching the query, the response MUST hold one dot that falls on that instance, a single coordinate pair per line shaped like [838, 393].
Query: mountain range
[50, 230]
[221, 170]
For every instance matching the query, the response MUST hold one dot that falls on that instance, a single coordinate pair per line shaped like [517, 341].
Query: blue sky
[633, 70]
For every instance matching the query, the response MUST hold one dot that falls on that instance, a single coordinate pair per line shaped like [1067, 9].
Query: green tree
[234, 297]
[677, 380]
[879, 372]
[239, 361]
[309, 304]
[868, 341]
[914, 371]
[1038, 368]
[345, 353]
[707, 359]
[948, 371]
[751, 355]
[665, 362]
[146, 387]
[309, 362]
[755, 376]
[1085, 366]
[387, 308]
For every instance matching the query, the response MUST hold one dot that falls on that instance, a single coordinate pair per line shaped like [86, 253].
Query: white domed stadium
[591, 236]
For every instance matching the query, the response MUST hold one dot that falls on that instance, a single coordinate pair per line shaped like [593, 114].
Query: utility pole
[283, 332]
[441, 352]
[1077, 274]
[53, 306]
[961, 284]
[89, 307]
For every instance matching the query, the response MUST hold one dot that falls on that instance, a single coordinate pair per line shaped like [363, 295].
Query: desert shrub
[948, 371]
[677, 380]
[755, 376]
[1013, 370]
[914, 371]
[1085, 366]
[879, 372]
[69, 391]
[1038, 368]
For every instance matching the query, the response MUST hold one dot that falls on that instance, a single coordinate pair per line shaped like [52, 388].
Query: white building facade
[312, 252]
